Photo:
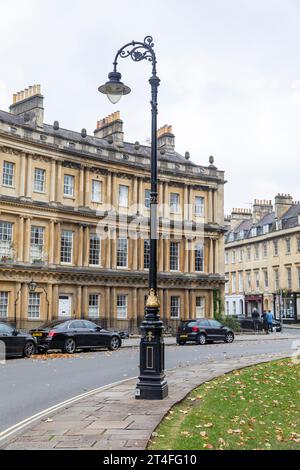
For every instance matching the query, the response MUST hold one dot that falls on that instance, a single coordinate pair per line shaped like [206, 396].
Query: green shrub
[231, 322]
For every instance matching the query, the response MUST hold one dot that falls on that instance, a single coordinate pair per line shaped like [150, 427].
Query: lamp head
[32, 286]
[114, 88]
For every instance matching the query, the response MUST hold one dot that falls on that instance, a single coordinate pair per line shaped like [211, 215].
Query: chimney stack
[282, 204]
[29, 104]
[238, 215]
[111, 129]
[166, 138]
[261, 207]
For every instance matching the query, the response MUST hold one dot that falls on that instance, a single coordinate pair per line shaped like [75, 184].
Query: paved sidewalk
[113, 419]
[171, 340]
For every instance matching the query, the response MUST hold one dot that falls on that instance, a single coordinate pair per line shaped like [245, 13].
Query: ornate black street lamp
[152, 384]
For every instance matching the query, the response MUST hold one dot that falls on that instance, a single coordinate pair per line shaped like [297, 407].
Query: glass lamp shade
[114, 89]
[32, 286]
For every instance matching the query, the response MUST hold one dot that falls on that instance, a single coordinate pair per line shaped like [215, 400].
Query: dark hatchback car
[247, 323]
[203, 331]
[75, 334]
[17, 343]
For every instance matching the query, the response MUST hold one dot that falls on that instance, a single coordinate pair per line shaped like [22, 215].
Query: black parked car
[247, 323]
[203, 331]
[75, 334]
[17, 343]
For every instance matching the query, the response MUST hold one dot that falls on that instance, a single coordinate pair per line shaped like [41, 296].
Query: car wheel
[69, 346]
[29, 349]
[114, 343]
[181, 343]
[201, 339]
[229, 338]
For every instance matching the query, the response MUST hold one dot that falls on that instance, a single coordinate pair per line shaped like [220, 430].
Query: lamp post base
[152, 384]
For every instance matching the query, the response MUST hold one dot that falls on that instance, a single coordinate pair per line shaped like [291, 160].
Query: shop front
[253, 301]
[287, 306]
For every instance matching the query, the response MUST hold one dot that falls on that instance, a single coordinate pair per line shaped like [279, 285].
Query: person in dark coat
[265, 322]
[255, 317]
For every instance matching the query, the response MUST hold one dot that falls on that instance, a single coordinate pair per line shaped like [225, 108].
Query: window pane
[36, 243]
[200, 307]
[8, 173]
[66, 246]
[123, 196]
[39, 180]
[122, 252]
[174, 203]
[199, 258]
[3, 304]
[146, 254]
[147, 198]
[96, 191]
[174, 256]
[6, 249]
[34, 305]
[68, 185]
[94, 305]
[175, 307]
[95, 249]
[199, 206]
[122, 307]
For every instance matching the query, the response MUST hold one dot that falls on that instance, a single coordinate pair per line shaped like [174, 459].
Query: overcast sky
[229, 70]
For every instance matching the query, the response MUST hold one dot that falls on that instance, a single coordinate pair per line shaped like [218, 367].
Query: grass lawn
[254, 408]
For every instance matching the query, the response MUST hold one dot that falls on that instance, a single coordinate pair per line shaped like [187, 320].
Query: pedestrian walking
[270, 320]
[255, 318]
[265, 322]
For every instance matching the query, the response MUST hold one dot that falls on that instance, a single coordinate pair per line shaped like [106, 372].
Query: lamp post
[152, 384]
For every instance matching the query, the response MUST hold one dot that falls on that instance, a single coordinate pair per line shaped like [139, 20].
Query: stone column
[186, 304]
[216, 270]
[108, 252]
[59, 183]
[191, 205]
[80, 247]
[49, 308]
[22, 179]
[113, 307]
[214, 205]
[23, 304]
[78, 302]
[81, 189]
[141, 197]
[57, 242]
[167, 255]
[191, 257]
[54, 311]
[210, 206]
[52, 181]
[85, 303]
[167, 303]
[135, 196]
[20, 238]
[86, 189]
[134, 307]
[166, 201]
[113, 253]
[211, 257]
[27, 240]
[160, 254]
[134, 250]
[114, 192]
[51, 242]
[192, 303]
[86, 245]
[29, 177]
[211, 303]
[186, 256]
[17, 303]
[186, 202]
[108, 188]
[107, 304]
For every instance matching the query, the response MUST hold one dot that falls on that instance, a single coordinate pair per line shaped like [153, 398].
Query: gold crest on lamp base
[152, 300]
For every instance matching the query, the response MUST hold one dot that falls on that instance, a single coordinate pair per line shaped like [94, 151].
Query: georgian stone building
[74, 213]
[262, 259]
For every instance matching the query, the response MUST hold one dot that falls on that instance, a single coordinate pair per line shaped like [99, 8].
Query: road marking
[17, 427]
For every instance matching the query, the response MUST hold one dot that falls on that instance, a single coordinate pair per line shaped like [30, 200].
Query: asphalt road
[28, 386]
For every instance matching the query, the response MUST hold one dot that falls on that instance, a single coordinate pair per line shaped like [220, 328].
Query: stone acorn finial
[137, 145]
[187, 155]
[83, 133]
[211, 160]
[56, 125]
